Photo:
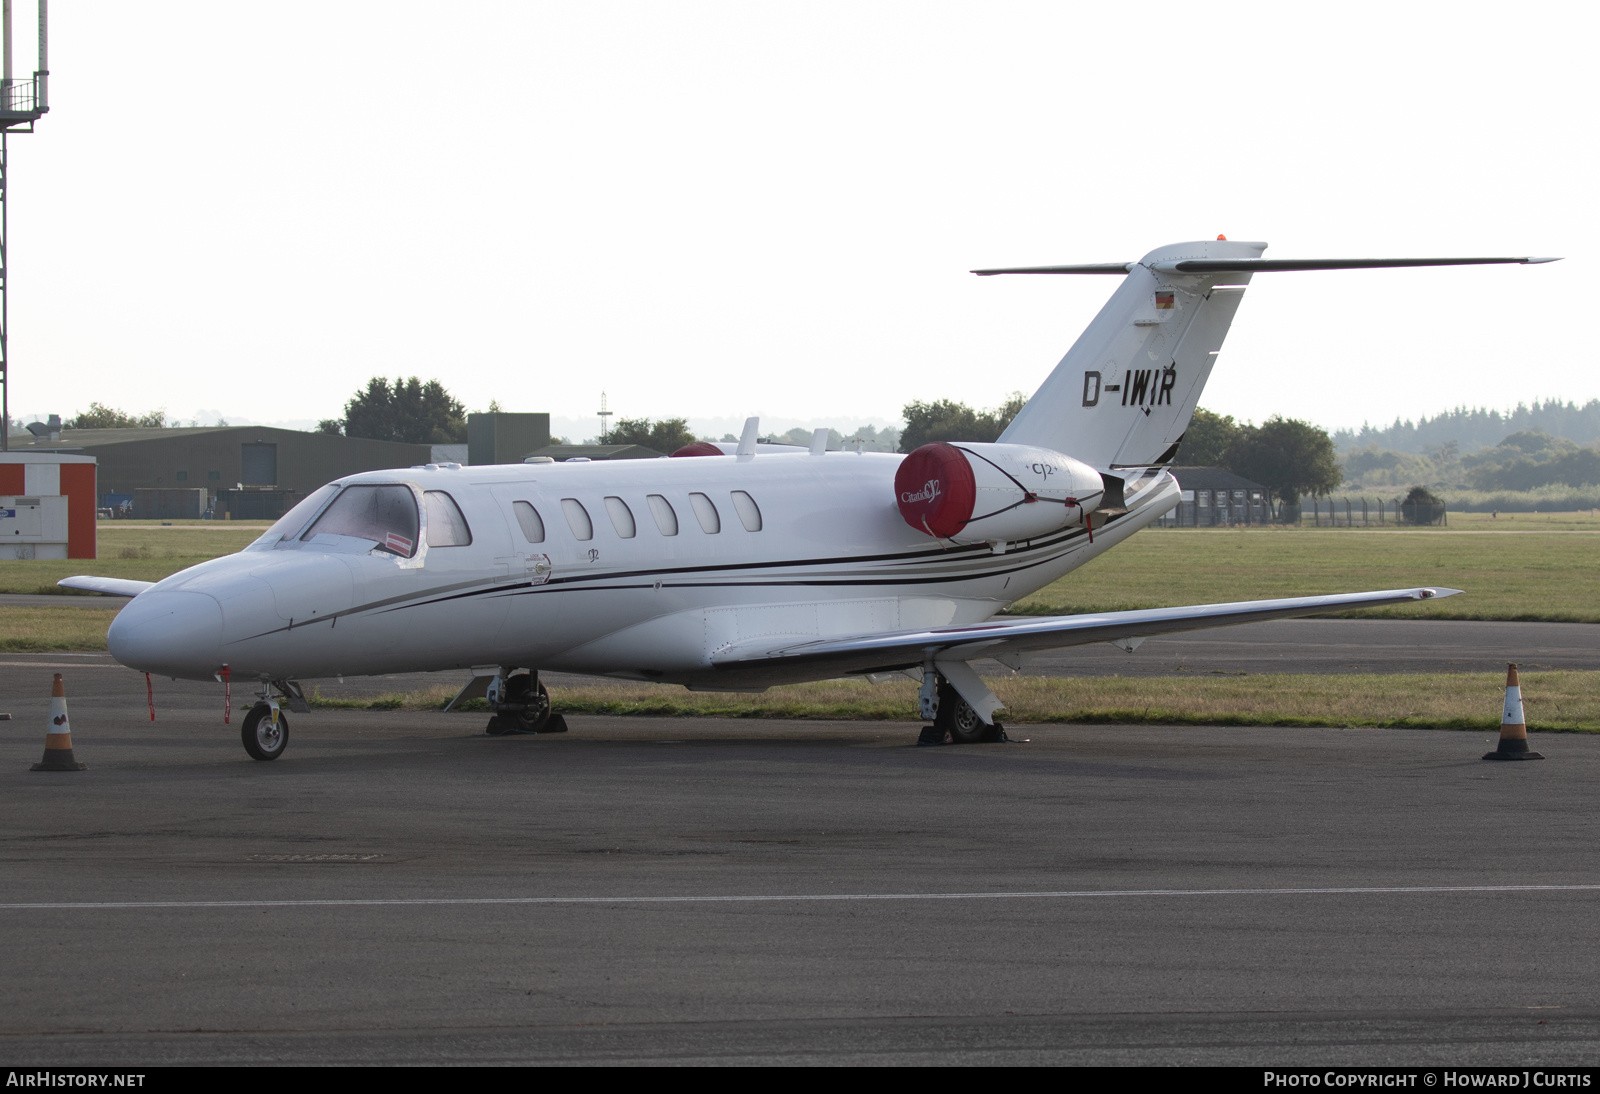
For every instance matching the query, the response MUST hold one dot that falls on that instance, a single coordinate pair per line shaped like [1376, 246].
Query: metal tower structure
[22, 102]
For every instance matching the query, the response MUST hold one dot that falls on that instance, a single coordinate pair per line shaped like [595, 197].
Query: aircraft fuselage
[814, 549]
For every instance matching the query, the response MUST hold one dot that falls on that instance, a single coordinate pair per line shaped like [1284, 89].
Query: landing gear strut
[954, 720]
[521, 705]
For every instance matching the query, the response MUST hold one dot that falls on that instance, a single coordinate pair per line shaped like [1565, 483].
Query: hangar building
[244, 472]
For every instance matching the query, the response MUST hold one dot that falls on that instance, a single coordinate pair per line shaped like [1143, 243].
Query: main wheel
[534, 717]
[958, 717]
[262, 739]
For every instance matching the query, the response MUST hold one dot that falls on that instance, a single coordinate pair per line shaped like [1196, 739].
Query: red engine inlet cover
[699, 448]
[935, 490]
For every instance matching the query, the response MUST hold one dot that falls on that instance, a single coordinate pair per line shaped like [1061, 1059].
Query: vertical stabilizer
[1125, 391]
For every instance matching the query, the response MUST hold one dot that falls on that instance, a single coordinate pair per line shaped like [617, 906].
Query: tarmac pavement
[400, 888]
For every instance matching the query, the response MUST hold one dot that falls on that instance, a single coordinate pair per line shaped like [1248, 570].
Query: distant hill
[1478, 428]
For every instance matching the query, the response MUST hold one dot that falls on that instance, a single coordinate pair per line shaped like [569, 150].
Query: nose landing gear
[265, 731]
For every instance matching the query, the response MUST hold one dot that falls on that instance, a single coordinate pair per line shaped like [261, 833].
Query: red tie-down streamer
[226, 677]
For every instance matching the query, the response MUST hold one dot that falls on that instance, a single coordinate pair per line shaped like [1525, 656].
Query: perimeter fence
[1244, 508]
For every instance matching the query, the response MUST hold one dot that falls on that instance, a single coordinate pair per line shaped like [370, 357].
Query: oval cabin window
[749, 512]
[577, 518]
[529, 521]
[706, 513]
[621, 517]
[666, 516]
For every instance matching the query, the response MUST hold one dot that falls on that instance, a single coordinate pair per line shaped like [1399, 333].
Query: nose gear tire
[261, 740]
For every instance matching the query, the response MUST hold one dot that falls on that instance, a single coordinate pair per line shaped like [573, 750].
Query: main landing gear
[954, 720]
[521, 705]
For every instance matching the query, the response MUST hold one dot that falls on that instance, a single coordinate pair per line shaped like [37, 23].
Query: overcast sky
[713, 210]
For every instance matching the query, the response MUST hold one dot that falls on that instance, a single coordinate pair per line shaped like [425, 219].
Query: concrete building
[498, 437]
[1211, 497]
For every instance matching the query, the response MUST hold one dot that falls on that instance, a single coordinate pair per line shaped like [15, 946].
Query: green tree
[666, 436]
[1287, 456]
[331, 425]
[948, 421]
[100, 416]
[409, 411]
[1206, 441]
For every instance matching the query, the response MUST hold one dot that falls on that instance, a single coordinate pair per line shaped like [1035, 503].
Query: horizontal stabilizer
[1091, 268]
[110, 586]
[1264, 265]
[898, 649]
[1290, 265]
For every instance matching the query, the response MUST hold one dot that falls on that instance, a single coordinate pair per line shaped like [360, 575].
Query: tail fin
[1124, 393]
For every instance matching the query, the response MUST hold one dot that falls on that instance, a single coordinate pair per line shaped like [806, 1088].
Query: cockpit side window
[446, 526]
[385, 515]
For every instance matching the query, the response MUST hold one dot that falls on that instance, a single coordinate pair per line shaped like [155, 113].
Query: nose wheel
[264, 736]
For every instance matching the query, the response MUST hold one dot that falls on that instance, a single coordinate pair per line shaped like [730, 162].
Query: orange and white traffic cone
[1513, 725]
[58, 735]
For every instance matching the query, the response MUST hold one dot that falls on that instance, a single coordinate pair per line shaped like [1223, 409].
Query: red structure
[47, 505]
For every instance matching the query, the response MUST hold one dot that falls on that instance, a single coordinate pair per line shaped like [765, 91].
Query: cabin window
[577, 518]
[529, 520]
[749, 512]
[446, 526]
[386, 516]
[621, 517]
[706, 514]
[666, 518]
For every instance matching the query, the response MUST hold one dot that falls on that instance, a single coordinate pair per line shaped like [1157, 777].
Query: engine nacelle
[970, 493]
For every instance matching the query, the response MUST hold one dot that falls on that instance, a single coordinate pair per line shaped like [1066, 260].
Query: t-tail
[1123, 395]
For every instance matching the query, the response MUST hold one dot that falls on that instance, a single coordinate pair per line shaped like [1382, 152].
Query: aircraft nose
[172, 633]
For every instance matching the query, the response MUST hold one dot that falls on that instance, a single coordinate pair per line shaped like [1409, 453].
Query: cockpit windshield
[385, 516]
[289, 525]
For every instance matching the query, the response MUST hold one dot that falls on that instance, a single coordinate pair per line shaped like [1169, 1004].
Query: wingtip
[1435, 594]
[1539, 261]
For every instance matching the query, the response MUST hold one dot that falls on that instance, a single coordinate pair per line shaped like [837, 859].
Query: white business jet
[729, 570]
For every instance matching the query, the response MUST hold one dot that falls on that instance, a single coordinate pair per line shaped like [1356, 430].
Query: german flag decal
[1164, 300]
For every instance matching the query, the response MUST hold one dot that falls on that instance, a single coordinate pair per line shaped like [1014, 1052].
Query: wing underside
[909, 649]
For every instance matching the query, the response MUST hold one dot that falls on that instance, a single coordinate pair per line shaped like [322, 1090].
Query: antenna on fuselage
[747, 440]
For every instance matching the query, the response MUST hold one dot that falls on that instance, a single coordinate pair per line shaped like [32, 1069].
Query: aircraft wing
[111, 586]
[907, 649]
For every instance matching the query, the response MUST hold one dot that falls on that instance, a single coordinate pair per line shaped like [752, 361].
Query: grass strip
[1549, 577]
[38, 630]
[1560, 701]
[140, 552]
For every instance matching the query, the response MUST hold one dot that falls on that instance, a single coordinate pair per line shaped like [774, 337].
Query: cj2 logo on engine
[1141, 387]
